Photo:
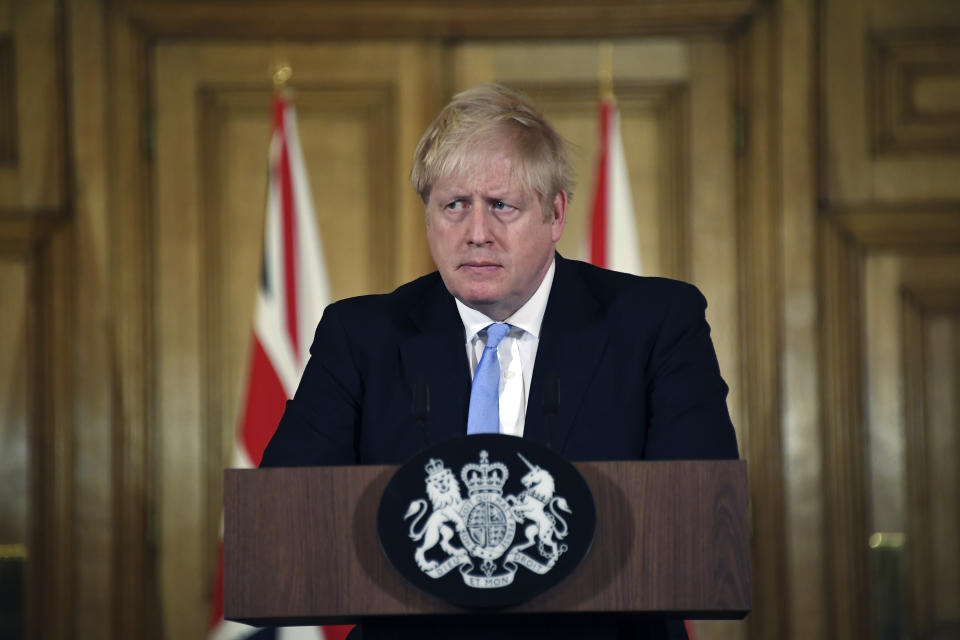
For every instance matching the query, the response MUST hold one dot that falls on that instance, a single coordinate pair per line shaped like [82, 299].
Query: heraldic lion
[444, 493]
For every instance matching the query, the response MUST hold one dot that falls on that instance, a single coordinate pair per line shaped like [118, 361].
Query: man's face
[488, 236]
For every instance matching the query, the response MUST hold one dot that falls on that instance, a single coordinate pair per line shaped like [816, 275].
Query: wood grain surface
[300, 545]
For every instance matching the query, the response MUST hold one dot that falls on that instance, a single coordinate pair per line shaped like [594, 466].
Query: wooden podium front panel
[300, 545]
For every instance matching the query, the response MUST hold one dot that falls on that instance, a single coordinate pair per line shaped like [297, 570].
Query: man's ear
[559, 217]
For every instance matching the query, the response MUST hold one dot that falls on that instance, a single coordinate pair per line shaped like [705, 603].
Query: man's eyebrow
[514, 195]
[451, 194]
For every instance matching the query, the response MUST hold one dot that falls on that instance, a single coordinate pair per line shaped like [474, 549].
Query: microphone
[421, 408]
[551, 403]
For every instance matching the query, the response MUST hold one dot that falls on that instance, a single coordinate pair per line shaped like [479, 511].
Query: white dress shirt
[517, 352]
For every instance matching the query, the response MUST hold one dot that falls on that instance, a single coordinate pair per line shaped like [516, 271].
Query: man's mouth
[479, 266]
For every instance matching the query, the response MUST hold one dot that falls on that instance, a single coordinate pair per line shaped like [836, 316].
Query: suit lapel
[572, 342]
[437, 353]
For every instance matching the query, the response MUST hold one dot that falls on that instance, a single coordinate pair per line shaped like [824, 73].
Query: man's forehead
[497, 172]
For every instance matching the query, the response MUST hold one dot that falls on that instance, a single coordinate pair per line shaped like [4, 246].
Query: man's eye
[500, 205]
[456, 205]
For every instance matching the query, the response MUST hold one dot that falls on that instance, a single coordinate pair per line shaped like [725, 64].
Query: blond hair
[481, 118]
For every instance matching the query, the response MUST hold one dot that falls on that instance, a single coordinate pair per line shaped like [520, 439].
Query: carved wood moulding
[918, 497]
[923, 304]
[842, 427]
[932, 283]
[935, 299]
[22, 230]
[906, 229]
[915, 81]
[39, 241]
[929, 239]
[438, 18]
[8, 103]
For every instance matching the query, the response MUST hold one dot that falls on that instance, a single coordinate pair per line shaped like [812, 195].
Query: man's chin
[477, 291]
[478, 302]
[482, 301]
[496, 308]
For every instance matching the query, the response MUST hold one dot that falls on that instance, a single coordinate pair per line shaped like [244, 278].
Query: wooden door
[361, 107]
[890, 233]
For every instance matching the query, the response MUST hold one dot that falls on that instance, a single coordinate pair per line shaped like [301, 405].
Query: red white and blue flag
[292, 294]
[613, 228]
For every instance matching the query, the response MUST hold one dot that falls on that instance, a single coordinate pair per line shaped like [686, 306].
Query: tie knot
[495, 333]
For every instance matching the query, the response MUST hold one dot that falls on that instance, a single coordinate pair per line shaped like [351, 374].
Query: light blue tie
[484, 416]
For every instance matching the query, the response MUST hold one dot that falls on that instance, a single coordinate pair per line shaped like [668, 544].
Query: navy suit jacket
[637, 374]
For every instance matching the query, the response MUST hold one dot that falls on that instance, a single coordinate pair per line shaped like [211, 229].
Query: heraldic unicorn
[486, 523]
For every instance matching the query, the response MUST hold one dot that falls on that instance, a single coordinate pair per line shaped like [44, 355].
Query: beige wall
[797, 160]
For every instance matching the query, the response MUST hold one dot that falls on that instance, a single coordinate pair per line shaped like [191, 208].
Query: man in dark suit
[630, 359]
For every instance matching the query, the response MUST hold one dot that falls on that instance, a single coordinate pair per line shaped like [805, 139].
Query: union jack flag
[292, 294]
[613, 229]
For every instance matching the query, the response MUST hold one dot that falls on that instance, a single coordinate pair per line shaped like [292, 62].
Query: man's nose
[478, 230]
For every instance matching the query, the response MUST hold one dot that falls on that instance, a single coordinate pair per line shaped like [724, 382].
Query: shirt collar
[529, 317]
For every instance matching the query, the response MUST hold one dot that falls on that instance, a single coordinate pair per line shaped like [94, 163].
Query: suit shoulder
[399, 300]
[609, 286]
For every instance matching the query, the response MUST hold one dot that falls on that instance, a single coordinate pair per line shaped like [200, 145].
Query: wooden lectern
[300, 546]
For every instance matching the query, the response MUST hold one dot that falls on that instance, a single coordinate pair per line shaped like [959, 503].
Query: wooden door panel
[890, 79]
[31, 107]
[18, 392]
[913, 319]
[929, 300]
[891, 157]
[14, 417]
[356, 107]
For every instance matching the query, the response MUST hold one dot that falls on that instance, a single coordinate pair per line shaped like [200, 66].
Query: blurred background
[798, 160]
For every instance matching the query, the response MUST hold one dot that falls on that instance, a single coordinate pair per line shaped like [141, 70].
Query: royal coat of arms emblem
[497, 534]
